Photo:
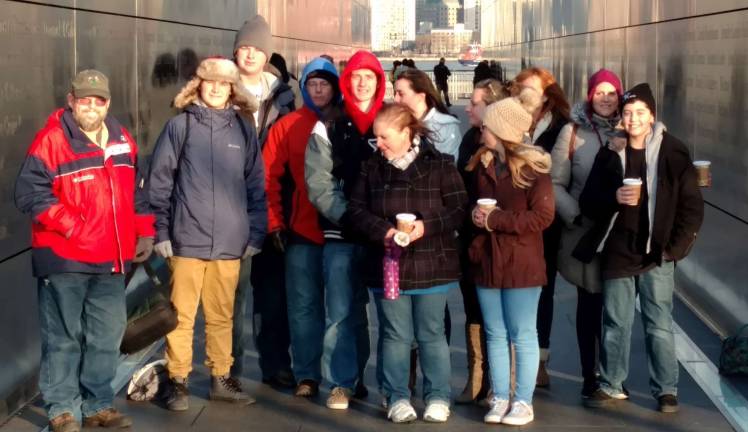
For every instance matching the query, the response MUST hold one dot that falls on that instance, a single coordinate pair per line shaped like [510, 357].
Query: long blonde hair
[525, 162]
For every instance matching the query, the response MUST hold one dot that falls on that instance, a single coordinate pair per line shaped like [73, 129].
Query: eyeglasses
[318, 85]
[88, 101]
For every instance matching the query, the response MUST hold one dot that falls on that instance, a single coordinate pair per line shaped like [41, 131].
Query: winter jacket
[284, 153]
[446, 132]
[511, 255]
[207, 185]
[569, 176]
[334, 155]
[441, 74]
[430, 188]
[676, 206]
[86, 209]
[277, 101]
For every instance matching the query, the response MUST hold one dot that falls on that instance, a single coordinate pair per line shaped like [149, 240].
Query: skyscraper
[392, 23]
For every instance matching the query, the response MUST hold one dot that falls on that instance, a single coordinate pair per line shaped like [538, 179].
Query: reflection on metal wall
[149, 49]
[694, 55]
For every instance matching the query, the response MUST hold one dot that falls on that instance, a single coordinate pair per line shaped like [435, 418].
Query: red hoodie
[362, 60]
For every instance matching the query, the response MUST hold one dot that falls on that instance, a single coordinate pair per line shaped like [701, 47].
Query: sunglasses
[88, 101]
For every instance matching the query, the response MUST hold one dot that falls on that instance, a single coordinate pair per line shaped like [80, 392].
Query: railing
[460, 84]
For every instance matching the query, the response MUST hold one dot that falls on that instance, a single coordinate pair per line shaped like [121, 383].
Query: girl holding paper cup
[507, 256]
[408, 175]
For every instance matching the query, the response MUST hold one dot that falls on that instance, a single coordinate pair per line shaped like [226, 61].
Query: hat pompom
[530, 99]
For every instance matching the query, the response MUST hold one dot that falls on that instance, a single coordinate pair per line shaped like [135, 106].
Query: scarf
[403, 162]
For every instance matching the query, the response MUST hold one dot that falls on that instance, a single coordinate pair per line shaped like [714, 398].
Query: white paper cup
[636, 184]
[487, 204]
[405, 222]
[702, 172]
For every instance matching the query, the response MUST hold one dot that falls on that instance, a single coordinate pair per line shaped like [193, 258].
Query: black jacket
[430, 188]
[679, 207]
[441, 73]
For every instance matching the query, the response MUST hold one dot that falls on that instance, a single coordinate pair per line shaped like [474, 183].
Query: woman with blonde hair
[511, 178]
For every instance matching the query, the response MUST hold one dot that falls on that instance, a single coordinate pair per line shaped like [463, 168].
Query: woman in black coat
[410, 278]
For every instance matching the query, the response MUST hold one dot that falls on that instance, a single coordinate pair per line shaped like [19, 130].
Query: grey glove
[250, 252]
[163, 249]
[143, 249]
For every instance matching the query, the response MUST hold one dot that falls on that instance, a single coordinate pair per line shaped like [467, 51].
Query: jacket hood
[319, 65]
[362, 60]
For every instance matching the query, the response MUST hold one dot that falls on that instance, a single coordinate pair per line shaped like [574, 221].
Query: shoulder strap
[572, 141]
[184, 140]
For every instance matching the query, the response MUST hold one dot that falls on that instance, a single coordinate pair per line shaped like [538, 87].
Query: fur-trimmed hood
[218, 69]
[582, 115]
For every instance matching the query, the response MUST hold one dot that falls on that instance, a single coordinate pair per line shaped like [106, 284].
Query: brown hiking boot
[64, 423]
[108, 418]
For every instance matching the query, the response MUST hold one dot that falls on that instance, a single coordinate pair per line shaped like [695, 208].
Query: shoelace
[232, 383]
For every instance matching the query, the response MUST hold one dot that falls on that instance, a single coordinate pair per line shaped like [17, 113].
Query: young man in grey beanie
[252, 49]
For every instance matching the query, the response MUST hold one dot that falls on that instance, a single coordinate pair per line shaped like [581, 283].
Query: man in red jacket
[78, 184]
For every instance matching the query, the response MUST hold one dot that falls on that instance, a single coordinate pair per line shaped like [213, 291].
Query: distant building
[451, 40]
[472, 17]
[447, 13]
[441, 13]
[393, 25]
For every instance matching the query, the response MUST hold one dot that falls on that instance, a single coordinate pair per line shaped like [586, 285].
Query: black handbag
[151, 321]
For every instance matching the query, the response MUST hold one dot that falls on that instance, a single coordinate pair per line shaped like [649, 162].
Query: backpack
[734, 356]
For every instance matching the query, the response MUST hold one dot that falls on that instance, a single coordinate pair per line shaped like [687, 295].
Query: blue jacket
[207, 189]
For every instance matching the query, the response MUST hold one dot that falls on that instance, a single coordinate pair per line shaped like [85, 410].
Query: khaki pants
[214, 282]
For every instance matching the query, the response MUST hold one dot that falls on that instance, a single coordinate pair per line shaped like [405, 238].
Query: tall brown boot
[476, 376]
[412, 377]
[543, 379]
[512, 370]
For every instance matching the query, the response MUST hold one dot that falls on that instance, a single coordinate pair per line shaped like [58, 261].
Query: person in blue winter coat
[207, 190]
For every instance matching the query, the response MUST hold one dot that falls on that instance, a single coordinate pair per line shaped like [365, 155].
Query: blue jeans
[345, 353]
[509, 317]
[306, 308]
[655, 289]
[82, 319]
[420, 317]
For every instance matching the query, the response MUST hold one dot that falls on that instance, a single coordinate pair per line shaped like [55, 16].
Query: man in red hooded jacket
[78, 183]
[332, 165]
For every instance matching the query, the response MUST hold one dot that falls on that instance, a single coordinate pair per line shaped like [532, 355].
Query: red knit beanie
[601, 76]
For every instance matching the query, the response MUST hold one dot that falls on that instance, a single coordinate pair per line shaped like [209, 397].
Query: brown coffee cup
[486, 204]
[635, 184]
[702, 172]
[405, 222]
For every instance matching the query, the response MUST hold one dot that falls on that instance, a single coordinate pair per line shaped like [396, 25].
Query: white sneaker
[520, 414]
[498, 410]
[402, 412]
[436, 412]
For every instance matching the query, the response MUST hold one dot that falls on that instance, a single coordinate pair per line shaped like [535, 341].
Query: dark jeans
[265, 275]
[589, 329]
[551, 238]
[444, 88]
[82, 319]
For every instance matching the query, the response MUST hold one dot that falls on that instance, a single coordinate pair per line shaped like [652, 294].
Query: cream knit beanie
[511, 118]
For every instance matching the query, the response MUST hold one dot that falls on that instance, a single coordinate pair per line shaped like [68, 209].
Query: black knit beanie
[641, 92]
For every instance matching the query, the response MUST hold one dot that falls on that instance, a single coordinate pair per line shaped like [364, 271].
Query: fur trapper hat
[217, 69]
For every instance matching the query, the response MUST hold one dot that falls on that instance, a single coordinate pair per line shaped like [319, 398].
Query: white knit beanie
[511, 118]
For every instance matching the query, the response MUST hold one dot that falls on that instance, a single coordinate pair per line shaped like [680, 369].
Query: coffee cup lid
[632, 181]
[486, 201]
[407, 217]
[701, 163]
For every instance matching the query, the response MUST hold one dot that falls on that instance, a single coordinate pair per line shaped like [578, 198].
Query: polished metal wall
[148, 48]
[694, 54]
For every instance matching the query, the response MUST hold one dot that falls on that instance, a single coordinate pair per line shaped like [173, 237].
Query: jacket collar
[79, 142]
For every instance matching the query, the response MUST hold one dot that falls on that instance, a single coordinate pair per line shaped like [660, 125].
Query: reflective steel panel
[38, 63]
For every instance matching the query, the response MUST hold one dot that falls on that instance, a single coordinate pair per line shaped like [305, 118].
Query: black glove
[278, 240]
[143, 249]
